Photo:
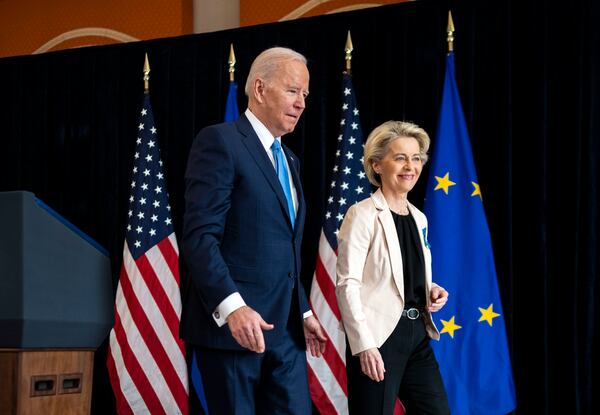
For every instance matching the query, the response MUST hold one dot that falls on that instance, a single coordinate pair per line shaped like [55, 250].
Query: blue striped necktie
[284, 177]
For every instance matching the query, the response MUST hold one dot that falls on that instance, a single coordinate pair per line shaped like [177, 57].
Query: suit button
[291, 275]
[217, 315]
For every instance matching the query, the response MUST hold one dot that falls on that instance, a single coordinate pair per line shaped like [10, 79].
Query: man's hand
[246, 327]
[438, 297]
[371, 364]
[314, 335]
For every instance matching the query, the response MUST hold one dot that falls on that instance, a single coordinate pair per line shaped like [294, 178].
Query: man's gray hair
[268, 62]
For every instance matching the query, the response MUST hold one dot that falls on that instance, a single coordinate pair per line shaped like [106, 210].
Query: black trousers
[411, 374]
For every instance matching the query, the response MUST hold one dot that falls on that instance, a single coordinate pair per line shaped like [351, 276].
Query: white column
[213, 15]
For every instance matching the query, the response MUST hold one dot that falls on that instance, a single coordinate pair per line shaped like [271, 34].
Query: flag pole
[349, 48]
[146, 74]
[450, 31]
[231, 63]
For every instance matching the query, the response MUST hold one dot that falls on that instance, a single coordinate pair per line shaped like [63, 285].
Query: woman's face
[401, 166]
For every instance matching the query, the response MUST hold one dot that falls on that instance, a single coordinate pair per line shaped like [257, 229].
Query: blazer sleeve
[209, 180]
[354, 240]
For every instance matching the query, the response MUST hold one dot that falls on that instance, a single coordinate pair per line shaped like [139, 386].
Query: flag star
[335, 168]
[156, 204]
[145, 186]
[153, 130]
[138, 141]
[352, 140]
[168, 208]
[141, 126]
[343, 122]
[347, 170]
[354, 126]
[137, 244]
[342, 201]
[152, 232]
[339, 216]
[131, 199]
[136, 156]
[151, 143]
[135, 169]
[362, 159]
[355, 111]
[349, 155]
[359, 190]
[361, 174]
[159, 176]
[340, 137]
[347, 91]
[158, 189]
[444, 182]
[160, 162]
[330, 199]
[133, 184]
[148, 158]
[139, 229]
[140, 215]
[130, 213]
[327, 215]
[143, 201]
[487, 314]
[345, 106]
[146, 172]
[336, 232]
[129, 227]
[450, 327]
[144, 111]
[477, 191]
[168, 221]
[337, 153]
[154, 218]
[333, 184]
[345, 186]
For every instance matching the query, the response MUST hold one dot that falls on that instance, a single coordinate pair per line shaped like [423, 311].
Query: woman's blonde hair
[380, 139]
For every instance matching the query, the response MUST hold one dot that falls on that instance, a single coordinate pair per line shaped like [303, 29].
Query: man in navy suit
[245, 311]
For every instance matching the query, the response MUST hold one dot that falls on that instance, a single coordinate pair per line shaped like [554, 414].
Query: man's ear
[258, 89]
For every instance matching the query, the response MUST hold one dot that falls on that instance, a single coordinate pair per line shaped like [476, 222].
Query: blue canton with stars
[149, 215]
[349, 183]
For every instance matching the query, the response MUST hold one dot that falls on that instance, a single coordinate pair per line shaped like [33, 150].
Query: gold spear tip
[450, 31]
[146, 73]
[349, 48]
[231, 63]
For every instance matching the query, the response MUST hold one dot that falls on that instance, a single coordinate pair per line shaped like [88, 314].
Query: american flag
[146, 359]
[349, 184]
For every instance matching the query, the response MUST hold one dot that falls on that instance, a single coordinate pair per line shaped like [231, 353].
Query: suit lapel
[391, 238]
[257, 151]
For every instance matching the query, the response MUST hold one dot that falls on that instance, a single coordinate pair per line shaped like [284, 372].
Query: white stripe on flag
[329, 383]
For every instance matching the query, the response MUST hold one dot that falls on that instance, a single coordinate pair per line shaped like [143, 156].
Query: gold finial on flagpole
[349, 48]
[450, 30]
[146, 74]
[231, 63]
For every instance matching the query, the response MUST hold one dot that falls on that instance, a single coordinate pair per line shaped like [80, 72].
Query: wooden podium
[46, 381]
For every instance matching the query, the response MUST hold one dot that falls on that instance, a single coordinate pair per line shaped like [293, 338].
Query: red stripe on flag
[171, 257]
[136, 373]
[152, 340]
[160, 297]
[319, 397]
[123, 407]
[336, 364]
[327, 288]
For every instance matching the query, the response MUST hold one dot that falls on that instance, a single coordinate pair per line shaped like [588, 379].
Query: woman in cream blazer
[384, 288]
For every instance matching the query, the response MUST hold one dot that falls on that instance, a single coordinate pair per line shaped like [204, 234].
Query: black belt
[411, 313]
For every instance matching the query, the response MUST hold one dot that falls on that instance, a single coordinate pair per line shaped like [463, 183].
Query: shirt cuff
[227, 306]
[307, 314]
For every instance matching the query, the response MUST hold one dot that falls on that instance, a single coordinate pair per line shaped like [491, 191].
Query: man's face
[282, 97]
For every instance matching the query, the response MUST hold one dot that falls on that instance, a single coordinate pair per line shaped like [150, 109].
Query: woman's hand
[371, 364]
[438, 297]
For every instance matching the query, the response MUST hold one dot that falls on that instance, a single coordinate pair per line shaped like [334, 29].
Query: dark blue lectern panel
[55, 282]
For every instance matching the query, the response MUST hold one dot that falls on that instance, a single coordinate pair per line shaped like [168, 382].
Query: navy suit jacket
[237, 235]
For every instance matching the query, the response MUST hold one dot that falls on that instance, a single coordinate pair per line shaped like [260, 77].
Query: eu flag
[472, 352]
[231, 114]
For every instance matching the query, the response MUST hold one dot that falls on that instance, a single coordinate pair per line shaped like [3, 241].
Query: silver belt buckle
[412, 313]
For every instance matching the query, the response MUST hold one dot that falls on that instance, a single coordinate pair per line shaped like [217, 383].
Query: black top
[413, 264]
